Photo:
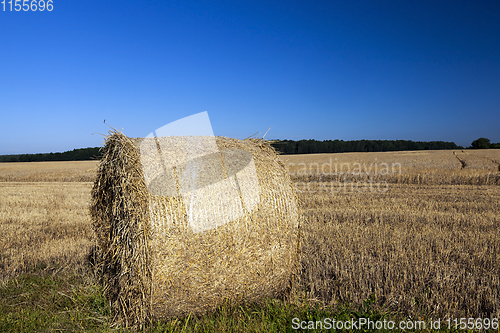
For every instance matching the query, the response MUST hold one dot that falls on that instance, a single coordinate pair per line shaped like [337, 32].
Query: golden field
[422, 234]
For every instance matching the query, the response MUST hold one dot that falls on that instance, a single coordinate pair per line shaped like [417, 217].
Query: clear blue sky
[416, 70]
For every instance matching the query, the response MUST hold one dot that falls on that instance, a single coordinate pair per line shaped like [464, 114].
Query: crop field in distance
[384, 235]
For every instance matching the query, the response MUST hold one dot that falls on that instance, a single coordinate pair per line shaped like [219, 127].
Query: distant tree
[481, 143]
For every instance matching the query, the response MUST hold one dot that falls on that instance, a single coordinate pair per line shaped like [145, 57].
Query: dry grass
[468, 167]
[488, 160]
[430, 250]
[423, 249]
[442, 161]
[409, 160]
[43, 225]
[78, 171]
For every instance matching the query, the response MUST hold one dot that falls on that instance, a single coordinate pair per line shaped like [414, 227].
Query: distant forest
[282, 146]
[341, 146]
[73, 155]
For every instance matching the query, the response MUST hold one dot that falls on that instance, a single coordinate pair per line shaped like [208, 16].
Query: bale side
[250, 258]
[120, 219]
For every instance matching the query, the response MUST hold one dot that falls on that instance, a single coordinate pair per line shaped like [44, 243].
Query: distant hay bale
[180, 229]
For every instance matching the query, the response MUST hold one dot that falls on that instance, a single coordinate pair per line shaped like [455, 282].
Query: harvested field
[78, 171]
[43, 224]
[428, 245]
[422, 249]
[470, 167]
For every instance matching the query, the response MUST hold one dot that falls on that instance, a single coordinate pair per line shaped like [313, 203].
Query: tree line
[341, 146]
[283, 147]
[73, 155]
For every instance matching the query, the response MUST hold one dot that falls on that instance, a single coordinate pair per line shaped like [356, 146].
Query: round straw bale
[183, 224]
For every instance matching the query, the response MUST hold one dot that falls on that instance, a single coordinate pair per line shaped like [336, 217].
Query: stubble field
[399, 234]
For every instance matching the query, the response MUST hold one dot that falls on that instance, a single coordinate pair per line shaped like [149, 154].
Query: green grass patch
[268, 316]
[46, 303]
[39, 303]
